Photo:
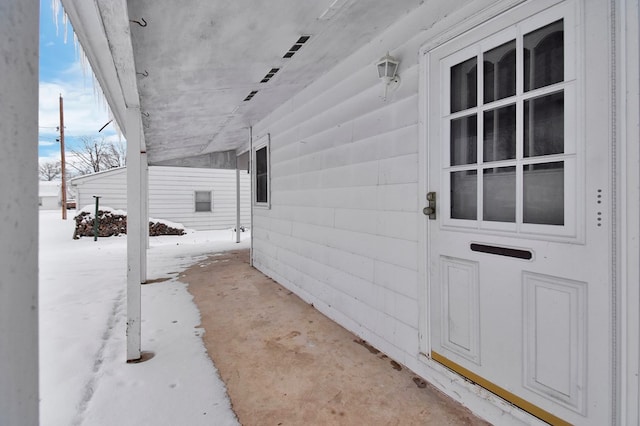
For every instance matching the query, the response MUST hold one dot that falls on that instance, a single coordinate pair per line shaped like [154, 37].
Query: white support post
[134, 216]
[144, 220]
[19, 212]
[237, 202]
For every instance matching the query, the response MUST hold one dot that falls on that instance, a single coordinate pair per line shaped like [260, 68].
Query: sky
[61, 72]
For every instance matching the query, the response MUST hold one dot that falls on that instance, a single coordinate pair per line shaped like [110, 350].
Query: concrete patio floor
[284, 363]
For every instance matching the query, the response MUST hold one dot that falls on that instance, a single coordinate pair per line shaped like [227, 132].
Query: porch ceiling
[196, 62]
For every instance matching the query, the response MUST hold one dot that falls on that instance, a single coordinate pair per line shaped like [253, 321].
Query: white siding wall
[172, 195]
[49, 202]
[342, 231]
[110, 186]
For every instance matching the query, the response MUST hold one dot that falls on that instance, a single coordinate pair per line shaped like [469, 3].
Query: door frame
[626, 21]
[625, 183]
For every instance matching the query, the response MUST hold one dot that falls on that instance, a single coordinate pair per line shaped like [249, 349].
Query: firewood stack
[159, 228]
[111, 224]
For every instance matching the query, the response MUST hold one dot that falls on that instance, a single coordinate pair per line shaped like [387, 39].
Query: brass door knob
[428, 211]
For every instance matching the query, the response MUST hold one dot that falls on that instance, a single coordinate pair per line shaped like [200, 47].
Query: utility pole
[62, 163]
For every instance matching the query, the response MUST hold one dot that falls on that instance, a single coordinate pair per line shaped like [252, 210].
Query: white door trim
[628, 36]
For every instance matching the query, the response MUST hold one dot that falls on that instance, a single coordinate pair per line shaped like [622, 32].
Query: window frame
[572, 155]
[195, 201]
[263, 142]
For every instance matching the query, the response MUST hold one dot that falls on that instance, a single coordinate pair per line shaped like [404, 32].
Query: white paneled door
[518, 254]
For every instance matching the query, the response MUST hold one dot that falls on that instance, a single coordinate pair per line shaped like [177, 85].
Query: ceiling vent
[270, 75]
[250, 95]
[297, 45]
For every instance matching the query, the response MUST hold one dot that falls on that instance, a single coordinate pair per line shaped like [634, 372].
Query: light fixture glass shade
[387, 67]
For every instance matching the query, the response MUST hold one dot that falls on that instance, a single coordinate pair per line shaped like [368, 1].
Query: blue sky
[61, 72]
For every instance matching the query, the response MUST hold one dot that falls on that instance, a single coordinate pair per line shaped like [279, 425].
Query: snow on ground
[84, 379]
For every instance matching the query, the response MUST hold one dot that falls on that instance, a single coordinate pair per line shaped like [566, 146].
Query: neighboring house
[49, 195]
[475, 219]
[198, 198]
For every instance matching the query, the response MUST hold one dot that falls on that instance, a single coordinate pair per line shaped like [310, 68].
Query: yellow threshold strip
[502, 393]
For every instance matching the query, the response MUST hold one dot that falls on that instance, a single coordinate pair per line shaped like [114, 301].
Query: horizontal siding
[342, 227]
[172, 195]
[110, 186]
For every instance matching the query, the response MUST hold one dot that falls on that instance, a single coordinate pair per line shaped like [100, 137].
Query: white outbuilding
[49, 195]
[198, 198]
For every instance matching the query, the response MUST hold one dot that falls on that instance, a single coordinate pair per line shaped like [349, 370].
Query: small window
[203, 201]
[261, 172]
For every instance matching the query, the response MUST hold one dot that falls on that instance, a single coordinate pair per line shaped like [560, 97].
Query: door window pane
[464, 190]
[464, 133]
[499, 134]
[528, 128]
[544, 193]
[499, 194]
[500, 72]
[544, 125]
[464, 89]
[544, 56]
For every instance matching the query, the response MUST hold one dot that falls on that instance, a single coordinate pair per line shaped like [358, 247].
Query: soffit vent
[250, 95]
[296, 46]
[270, 75]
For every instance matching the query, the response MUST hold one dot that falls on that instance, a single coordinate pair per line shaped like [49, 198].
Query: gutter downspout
[251, 191]
[237, 201]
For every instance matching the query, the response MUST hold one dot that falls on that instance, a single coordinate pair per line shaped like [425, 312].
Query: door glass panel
[500, 72]
[499, 134]
[531, 123]
[544, 56]
[544, 193]
[544, 125]
[464, 89]
[499, 194]
[464, 190]
[464, 133]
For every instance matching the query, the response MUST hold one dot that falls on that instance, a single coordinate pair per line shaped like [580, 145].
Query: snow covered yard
[84, 379]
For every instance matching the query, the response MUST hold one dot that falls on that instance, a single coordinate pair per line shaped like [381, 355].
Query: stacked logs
[159, 228]
[114, 224]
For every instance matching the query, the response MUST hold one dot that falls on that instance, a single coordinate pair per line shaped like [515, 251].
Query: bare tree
[117, 155]
[49, 170]
[95, 155]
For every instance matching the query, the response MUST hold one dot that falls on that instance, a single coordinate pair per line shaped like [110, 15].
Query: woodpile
[159, 228]
[113, 224]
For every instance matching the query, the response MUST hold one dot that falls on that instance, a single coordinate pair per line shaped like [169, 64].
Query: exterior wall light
[387, 68]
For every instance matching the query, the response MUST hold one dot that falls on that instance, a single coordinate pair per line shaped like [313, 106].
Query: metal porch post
[144, 228]
[237, 202]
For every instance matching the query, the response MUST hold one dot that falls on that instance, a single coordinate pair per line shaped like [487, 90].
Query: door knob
[430, 210]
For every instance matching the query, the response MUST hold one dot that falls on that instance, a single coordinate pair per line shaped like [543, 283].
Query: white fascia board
[103, 30]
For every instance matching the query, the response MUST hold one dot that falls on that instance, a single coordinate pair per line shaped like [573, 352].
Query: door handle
[430, 210]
